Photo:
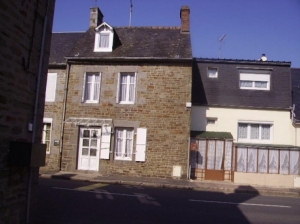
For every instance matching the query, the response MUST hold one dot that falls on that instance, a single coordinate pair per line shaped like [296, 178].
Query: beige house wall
[283, 132]
[271, 180]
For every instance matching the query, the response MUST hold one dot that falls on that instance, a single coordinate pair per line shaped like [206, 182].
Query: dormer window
[103, 38]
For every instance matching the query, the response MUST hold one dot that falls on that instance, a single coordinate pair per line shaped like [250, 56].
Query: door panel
[89, 147]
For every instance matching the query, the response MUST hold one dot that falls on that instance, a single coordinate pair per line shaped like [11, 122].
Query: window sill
[123, 159]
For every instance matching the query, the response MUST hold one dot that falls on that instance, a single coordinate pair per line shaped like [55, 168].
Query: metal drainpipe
[188, 159]
[36, 108]
[64, 114]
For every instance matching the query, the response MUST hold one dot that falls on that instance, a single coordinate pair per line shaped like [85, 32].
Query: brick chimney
[185, 19]
[96, 17]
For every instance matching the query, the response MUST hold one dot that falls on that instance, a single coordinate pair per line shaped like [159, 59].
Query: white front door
[89, 149]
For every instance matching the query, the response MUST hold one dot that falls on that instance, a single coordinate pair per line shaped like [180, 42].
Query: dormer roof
[104, 24]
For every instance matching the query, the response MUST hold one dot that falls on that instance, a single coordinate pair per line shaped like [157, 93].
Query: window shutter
[83, 88]
[141, 140]
[105, 142]
[118, 88]
[51, 87]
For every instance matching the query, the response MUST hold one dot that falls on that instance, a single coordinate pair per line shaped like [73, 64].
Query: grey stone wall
[54, 110]
[162, 92]
[20, 41]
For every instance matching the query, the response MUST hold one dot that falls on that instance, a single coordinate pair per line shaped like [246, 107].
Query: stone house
[121, 99]
[26, 28]
[242, 129]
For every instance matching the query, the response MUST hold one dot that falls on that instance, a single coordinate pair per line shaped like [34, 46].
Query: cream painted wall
[283, 131]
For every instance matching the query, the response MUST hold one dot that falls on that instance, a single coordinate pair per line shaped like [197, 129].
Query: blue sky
[252, 27]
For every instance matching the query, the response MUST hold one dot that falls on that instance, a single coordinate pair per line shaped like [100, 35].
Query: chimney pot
[96, 17]
[185, 19]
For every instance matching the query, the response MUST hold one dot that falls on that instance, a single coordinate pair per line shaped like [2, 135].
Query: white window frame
[44, 141]
[119, 89]
[211, 121]
[212, 72]
[104, 28]
[51, 87]
[123, 136]
[254, 77]
[94, 74]
[259, 139]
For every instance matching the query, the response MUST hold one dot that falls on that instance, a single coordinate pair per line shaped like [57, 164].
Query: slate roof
[211, 135]
[138, 43]
[61, 45]
[224, 91]
[295, 72]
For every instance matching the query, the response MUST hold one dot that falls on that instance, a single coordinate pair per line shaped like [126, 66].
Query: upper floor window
[254, 132]
[126, 88]
[256, 80]
[103, 38]
[212, 72]
[91, 87]
[51, 87]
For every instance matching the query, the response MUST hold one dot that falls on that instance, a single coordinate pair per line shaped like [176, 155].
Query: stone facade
[162, 90]
[21, 56]
[54, 110]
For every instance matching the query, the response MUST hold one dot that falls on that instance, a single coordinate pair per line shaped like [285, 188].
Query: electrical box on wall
[27, 154]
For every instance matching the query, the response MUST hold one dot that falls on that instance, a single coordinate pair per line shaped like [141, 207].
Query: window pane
[86, 133]
[93, 152]
[246, 83]
[85, 152]
[254, 133]
[119, 140]
[242, 131]
[129, 137]
[273, 161]
[104, 40]
[284, 162]
[252, 160]
[265, 131]
[211, 155]
[295, 162]
[262, 160]
[86, 142]
[212, 73]
[241, 159]
[260, 84]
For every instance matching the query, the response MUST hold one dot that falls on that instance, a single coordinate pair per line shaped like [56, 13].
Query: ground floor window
[263, 160]
[46, 135]
[124, 143]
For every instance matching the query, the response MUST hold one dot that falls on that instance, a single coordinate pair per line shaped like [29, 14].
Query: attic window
[103, 38]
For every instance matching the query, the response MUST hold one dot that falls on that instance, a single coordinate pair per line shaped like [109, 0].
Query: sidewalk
[216, 186]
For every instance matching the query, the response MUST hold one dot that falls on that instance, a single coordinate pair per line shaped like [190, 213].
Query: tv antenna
[130, 13]
[220, 44]
[95, 3]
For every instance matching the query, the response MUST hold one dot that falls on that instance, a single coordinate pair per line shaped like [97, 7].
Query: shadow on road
[62, 201]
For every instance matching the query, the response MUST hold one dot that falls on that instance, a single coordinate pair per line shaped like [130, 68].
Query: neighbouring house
[26, 28]
[118, 99]
[295, 72]
[241, 125]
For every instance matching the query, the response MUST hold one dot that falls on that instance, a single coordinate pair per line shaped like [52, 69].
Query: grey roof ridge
[241, 60]
[70, 32]
[126, 58]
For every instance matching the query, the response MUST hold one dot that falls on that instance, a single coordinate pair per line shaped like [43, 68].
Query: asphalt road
[76, 202]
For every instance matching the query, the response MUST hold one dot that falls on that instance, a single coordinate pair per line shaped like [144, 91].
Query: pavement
[213, 186]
